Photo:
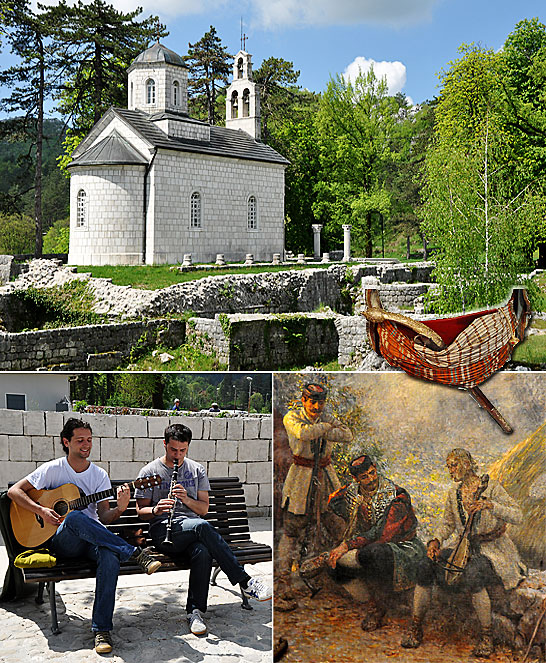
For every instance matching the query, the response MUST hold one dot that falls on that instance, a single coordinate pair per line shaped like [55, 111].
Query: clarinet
[174, 480]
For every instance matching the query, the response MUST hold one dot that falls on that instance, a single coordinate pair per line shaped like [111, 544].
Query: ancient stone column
[317, 227]
[346, 242]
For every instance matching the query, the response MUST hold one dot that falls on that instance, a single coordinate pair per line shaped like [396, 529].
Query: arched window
[150, 91]
[240, 68]
[195, 210]
[81, 209]
[176, 93]
[252, 214]
[246, 102]
[234, 104]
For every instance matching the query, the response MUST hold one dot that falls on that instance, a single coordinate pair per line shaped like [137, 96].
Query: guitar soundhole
[61, 508]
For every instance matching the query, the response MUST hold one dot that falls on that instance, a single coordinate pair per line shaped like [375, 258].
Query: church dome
[159, 53]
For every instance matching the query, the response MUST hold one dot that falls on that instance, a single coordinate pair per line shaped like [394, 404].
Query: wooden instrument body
[29, 528]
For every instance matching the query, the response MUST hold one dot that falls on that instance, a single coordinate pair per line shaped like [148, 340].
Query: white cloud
[393, 72]
[395, 13]
[285, 13]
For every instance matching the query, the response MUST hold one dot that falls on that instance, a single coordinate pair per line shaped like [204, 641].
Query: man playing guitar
[83, 532]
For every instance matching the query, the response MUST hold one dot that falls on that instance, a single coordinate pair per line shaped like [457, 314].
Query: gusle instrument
[174, 480]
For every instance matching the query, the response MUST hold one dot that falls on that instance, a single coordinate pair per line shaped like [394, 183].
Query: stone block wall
[73, 347]
[260, 342]
[226, 446]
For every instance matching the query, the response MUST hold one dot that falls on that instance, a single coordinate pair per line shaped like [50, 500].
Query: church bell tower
[243, 98]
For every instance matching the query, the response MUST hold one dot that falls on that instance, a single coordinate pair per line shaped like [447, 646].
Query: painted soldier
[380, 543]
[312, 433]
[492, 558]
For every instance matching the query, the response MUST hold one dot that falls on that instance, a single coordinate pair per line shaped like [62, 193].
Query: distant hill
[17, 174]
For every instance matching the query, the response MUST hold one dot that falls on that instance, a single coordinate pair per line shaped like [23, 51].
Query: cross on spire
[243, 36]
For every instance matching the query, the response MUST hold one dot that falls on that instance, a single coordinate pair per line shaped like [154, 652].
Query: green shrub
[17, 234]
[57, 237]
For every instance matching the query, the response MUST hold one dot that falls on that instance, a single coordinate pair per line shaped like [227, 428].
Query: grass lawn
[155, 277]
[186, 358]
[532, 352]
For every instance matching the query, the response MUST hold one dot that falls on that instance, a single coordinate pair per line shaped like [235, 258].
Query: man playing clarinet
[176, 509]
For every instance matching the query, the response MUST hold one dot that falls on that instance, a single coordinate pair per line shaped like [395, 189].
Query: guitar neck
[86, 500]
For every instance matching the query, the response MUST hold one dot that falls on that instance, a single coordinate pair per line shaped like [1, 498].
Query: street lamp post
[249, 391]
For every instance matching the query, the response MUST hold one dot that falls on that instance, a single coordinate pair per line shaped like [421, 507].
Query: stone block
[11, 422]
[195, 424]
[266, 428]
[132, 426]
[117, 448]
[260, 472]
[251, 494]
[33, 423]
[43, 449]
[124, 470]
[237, 470]
[4, 448]
[217, 429]
[54, 422]
[250, 450]
[251, 429]
[159, 448]
[227, 450]
[19, 447]
[235, 429]
[202, 450]
[157, 425]
[265, 495]
[143, 449]
[103, 425]
[218, 469]
[13, 471]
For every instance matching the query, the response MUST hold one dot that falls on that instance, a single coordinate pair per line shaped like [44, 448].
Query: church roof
[223, 142]
[112, 150]
[158, 53]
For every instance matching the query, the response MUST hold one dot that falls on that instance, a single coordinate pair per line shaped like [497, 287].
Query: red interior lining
[449, 328]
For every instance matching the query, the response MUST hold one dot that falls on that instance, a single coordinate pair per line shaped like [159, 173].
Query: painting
[377, 478]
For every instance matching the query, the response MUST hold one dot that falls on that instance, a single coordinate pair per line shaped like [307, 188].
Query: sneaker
[103, 642]
[256, 589]
[196, 623]
[146, 563]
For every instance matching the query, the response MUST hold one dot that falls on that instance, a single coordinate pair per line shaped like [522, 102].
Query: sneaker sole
[198, 632]
[101, 649]
[153, 568]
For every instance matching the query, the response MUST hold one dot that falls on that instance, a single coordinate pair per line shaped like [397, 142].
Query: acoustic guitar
[31, 530]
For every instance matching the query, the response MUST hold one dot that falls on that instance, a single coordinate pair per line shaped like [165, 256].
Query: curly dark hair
[69, 428]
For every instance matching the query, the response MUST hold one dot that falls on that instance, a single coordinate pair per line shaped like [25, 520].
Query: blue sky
[413, 39]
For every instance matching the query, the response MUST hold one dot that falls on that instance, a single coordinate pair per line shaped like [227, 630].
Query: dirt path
[326, 629]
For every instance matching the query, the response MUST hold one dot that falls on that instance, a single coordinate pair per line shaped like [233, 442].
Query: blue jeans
[197, 539]
[81, 536]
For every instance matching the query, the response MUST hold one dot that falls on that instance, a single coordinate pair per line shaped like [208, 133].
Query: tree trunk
[97, 111]
[39, 144]
[368, 241]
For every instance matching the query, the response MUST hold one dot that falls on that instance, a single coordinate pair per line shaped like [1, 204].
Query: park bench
[227, 513]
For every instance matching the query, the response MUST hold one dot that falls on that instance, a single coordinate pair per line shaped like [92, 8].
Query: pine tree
[31, 81]
[101, 43]
[209, 64]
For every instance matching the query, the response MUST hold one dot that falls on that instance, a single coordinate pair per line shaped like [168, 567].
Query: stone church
[149, 183]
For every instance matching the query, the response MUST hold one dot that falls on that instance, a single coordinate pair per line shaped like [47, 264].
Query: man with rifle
[312, 434]
[477, 511]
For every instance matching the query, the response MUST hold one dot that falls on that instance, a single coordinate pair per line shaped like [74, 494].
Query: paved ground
[149, 621]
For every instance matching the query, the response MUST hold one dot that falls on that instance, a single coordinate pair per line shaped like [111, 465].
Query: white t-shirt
[57, 472]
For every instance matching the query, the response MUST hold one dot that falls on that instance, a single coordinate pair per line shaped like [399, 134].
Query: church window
[150, 91]
[176, 93]
[240, 68]
[252, 214]
[81, 209]
[234, 104]
[195, 213]
[246, 103]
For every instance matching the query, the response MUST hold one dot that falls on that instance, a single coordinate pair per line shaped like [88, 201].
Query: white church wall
[164, 76]
[225, 186]
[114, 231]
